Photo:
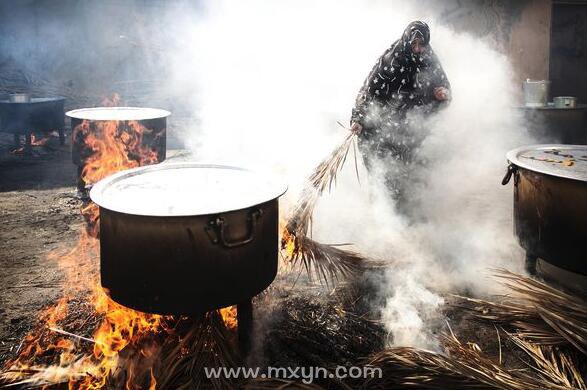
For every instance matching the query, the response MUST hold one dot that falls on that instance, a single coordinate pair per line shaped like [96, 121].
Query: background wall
[520, 29]
[568, 51]
[530, 40]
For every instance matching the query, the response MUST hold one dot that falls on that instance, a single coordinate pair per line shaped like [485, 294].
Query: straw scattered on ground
[535, 311]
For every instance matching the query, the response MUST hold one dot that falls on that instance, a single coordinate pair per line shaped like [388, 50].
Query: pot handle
[508, 175]
[217, 227]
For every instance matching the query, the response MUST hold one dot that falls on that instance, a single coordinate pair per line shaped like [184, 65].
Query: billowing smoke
[271, 79]
[263, 82]
[460, 223]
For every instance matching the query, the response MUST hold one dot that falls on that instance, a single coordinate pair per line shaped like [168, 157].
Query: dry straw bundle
[325, 262]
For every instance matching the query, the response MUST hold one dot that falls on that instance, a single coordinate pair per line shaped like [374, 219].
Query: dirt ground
[38, 214]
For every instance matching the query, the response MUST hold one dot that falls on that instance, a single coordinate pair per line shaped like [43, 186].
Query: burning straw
[172, 356]
[326, 262]
[538, 312]
[207, 344]
[87, 339]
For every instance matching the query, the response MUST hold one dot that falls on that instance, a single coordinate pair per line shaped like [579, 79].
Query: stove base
[244, 316]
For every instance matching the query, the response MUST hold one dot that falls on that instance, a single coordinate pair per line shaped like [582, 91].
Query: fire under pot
[136, 130]
[22, 114]
[188, 238]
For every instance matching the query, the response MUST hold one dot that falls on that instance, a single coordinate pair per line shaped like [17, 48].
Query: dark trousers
[394, 162]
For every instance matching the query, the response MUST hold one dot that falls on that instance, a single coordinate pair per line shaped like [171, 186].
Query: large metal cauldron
[21, 114]
[152, 120]
[187, 238]
[550, 204]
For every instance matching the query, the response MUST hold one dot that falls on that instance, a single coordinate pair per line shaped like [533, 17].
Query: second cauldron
[138, 130]
[550, 204]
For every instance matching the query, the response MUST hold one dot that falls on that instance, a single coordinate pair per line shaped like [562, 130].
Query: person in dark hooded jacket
[407, 78]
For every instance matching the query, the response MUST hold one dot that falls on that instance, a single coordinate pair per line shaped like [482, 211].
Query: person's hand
[440, 93]
[356, 128]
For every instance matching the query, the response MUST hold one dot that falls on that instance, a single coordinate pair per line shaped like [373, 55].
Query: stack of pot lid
[118, 113]
[566, 161]
[185, 189]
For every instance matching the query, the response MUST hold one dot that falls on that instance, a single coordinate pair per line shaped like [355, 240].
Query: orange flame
[120, 327]
[34, 142]
[153, 384]
[39, 142]
[115, 146]
[229, 318]
[288, 243]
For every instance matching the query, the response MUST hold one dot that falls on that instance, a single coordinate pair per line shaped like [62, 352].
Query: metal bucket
[536, 92]
[565, 102]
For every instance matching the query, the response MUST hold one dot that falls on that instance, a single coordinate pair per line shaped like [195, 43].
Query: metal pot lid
[566, 161]
[185, 189]
[118, 113]
[35, 100]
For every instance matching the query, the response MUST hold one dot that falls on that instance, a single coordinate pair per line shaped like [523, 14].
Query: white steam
[463, 217]
[268, 80]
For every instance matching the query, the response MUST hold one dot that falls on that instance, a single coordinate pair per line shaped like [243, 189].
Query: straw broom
[326, 262]
[323, 177]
